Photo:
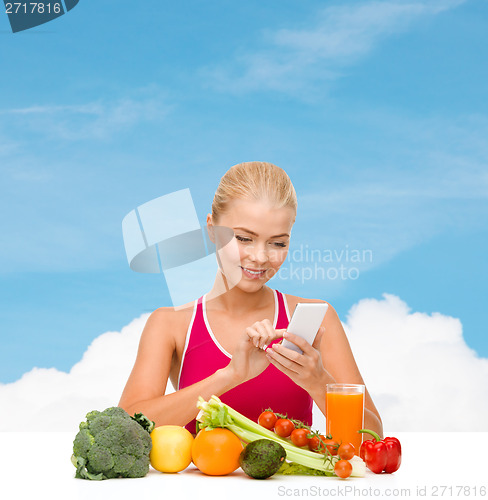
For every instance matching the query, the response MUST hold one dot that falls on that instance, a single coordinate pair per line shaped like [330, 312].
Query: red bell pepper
[381, 455]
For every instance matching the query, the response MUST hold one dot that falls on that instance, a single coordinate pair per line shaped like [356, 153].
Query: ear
[210, 229]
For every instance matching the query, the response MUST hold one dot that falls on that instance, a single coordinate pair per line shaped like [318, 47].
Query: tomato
[331, 446]
[343, 468]
[299, 437]
[267, 419]
[171, 448]
[346, 451]
[317, 443]
[314, 443]
[284, 427]
[216, 452]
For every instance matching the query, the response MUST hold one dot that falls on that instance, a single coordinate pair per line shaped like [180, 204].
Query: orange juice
[345, 413]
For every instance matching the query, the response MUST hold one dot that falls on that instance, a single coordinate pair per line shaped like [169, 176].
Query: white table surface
[37, 465]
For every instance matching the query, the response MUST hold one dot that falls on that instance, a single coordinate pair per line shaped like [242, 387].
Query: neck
[235, 300]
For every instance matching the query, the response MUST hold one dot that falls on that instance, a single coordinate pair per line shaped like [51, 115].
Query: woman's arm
[144, 391]
[329, 360]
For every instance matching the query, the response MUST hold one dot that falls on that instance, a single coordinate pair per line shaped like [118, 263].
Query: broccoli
[112, 444]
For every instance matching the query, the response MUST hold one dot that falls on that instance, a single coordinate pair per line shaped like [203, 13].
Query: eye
[279, 244]
[243, 239]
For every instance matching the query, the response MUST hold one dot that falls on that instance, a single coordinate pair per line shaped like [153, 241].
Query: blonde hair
[254, 180]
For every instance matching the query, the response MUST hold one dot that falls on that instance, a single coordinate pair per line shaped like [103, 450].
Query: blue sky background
[378, 111]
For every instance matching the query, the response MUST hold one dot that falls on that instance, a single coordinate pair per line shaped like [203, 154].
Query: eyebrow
[254, 234]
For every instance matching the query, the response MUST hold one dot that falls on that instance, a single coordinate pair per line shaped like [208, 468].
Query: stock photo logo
[26, 15]
[164, 236]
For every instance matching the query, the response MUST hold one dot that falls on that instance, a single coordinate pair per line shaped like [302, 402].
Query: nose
[258, 254]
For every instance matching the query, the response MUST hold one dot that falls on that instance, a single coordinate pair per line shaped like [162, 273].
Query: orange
[216, 452]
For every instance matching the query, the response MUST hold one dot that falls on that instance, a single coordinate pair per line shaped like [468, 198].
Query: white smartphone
[305, 322]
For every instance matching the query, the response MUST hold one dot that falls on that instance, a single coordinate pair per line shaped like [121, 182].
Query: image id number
[33, 8]
[458, 491]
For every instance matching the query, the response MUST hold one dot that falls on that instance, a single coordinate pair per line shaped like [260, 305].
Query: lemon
[171, 448]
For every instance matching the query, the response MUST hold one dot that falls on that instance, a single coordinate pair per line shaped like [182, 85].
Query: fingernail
[285, 334]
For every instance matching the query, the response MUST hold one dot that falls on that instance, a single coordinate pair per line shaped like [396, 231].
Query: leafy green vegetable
[112, 444]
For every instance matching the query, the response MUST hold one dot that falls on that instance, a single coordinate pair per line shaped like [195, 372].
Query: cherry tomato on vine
[284, 427]
[331, 446]
[267, 419]
[314, 443]
[346, 451]
[299, 437]
[343, 468]
[317, 443]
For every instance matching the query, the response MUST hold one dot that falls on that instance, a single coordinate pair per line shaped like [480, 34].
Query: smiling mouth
[255, 272]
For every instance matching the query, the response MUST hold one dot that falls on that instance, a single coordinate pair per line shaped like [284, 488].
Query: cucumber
[262, 458]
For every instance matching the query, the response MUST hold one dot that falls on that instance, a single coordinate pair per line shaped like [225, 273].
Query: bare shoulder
[169, 322]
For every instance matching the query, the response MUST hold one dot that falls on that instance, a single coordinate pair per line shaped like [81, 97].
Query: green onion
[213, 413]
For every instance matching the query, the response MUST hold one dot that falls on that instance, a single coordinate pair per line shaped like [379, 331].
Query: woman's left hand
[307, 369]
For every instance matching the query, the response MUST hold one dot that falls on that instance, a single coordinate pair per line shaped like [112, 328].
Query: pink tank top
[203, 355]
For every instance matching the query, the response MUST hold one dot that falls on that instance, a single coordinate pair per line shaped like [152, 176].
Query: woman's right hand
[249, 357]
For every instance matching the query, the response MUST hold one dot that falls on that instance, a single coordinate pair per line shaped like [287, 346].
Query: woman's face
[252, 241]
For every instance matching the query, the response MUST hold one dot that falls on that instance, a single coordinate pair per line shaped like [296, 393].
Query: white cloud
[418, 369]
[340, 35]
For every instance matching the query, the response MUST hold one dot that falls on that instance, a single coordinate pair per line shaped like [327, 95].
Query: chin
[250, 286]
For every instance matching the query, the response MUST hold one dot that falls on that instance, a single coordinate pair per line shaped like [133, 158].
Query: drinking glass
[345, 413]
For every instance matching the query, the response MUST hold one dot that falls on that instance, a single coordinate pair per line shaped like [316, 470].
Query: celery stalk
[213, 413]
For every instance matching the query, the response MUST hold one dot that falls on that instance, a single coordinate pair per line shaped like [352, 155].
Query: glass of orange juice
[345, 413]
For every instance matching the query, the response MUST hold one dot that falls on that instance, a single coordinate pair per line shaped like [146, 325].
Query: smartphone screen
[305, 322]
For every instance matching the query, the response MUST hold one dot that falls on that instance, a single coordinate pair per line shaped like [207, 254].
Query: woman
[218, 344]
